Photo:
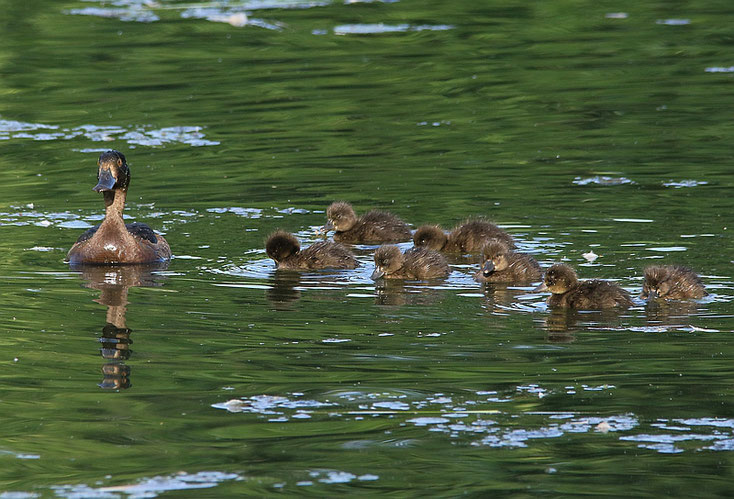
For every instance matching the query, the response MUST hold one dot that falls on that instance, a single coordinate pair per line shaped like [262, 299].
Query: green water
[577, 126]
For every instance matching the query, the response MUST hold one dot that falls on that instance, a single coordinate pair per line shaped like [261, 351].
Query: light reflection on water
[246, 117]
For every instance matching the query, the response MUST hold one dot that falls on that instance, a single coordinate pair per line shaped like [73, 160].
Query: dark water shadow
[561, 324]
[397, 292]
[283, 289]
[114, 282]
[503, 298]
[671, 314]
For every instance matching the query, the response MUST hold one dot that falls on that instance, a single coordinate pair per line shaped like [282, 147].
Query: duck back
[321, 255]
[473, 235]
[138, 244]
[375, 227]
[422, 263]
[592, 295]
[522, 268]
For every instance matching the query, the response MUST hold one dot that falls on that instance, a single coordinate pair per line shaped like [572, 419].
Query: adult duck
[113, 241]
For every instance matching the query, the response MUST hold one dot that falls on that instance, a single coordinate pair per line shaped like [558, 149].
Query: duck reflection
[284, 288]
[113, 284]
[561, 323]
[500, 296]
[397, 293]
[670, 313]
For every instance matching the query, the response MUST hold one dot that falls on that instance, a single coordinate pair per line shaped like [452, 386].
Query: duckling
[502, 264]
[285, 250]
[671, 282]
[113, 241]
[372, 227]
[469, 237]
[567, 291]
[416, 263]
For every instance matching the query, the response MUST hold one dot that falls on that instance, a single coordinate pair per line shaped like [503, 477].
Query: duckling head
[430, 236]
[340, 216]
[495, 255]
[113, 172]
[281, 245]
[559, 279]
[658, 281]
[388, 259]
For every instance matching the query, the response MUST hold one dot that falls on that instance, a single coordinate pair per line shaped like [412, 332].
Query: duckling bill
[416, 263]
[285, 250]
[372, 227]
[671, 282]
[113, 241]
[568, 292]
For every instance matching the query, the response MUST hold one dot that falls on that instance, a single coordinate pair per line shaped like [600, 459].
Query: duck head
[113, 173]
[657, 282]
[340, 217]
[430, 236]
[388, 259]
[559, 279]
[281, 245]
[495, 255]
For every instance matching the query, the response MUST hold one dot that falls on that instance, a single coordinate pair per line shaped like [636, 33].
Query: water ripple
[144, 135]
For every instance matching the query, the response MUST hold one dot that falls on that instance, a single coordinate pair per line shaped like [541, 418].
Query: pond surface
[576, 126]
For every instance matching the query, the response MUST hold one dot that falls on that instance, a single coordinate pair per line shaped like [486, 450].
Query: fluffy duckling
[372, 227]
[469, 237]
[416, 263]
[671, 282]
[502, 264]
[285, 250]
[567, 291]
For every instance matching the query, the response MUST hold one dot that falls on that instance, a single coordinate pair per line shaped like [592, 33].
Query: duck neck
[114, 202]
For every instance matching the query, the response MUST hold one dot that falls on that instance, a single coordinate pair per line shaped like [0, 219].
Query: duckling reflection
[113, 284]
[561, 324]
[671, 314]
[283, 289]
[395, 293]
[500, 296]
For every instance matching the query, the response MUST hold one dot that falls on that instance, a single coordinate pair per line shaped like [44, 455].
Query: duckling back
[672, 282]
[285, 249]
[473, 235]
[326, 255]
[423, 263]
[375, 227]
[521, 267]
[594, 294]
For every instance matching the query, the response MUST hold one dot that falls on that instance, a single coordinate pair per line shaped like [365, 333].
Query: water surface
[578, 128]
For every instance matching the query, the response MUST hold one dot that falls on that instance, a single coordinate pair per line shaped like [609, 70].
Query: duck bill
[377, 274]
[542, 288]
[106, 181]
[329, 226]
[488, 268]
[651, 295]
